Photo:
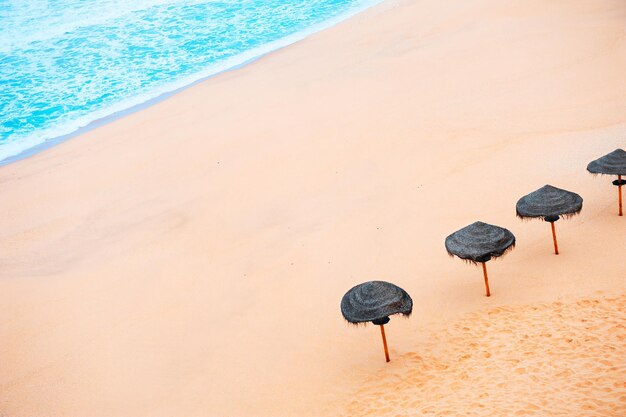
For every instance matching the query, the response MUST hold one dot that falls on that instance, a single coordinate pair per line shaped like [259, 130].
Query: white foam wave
[24, 22]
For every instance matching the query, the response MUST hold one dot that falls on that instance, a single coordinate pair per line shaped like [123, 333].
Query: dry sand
[189, 259]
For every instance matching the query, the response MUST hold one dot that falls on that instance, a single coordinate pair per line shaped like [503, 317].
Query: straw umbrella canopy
[549, 203]
[375, 301]
[478, 243]
[613, 163]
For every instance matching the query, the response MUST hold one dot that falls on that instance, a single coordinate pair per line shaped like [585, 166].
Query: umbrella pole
[486, 279]
[556, 246]
[619, 193]
[382, 332]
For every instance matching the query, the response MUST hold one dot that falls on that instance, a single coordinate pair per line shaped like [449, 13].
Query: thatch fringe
[565, 216]
[493, 258]
[404, 316]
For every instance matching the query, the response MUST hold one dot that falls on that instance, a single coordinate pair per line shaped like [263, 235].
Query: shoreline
[190, 258]
[116, 115]
[167, 90]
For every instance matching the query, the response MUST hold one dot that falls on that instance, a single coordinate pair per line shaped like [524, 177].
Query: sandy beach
[189, 259]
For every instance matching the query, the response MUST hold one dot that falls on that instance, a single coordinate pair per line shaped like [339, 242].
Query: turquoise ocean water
[66, 63]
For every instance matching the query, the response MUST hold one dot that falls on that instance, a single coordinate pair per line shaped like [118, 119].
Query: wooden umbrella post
[556, 246]
[486, 279]
[382, 332]
[619, 193]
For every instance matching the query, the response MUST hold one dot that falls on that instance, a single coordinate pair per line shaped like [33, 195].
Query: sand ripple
[558, 359]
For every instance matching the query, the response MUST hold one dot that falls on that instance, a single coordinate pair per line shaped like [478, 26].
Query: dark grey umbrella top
[549, 203]
[613, 163]
[375, 301]
[479, 242]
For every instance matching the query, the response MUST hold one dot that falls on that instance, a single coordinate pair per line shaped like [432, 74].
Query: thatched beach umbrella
[478, 243]
[375, 301]
[613, 163]
[549, 203]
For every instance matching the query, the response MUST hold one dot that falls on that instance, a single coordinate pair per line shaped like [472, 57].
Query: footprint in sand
[557, 359]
